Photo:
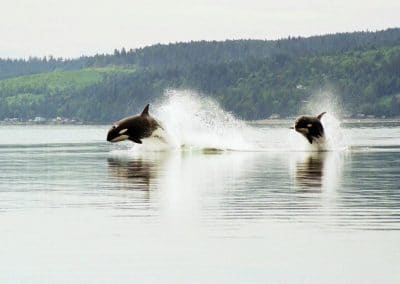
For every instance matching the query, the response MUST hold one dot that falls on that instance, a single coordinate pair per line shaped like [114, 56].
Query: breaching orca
[311, 128]
[135, 128]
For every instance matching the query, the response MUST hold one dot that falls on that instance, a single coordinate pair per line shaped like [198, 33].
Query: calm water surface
[75, 209]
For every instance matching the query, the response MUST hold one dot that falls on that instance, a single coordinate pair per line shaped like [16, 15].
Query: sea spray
[193, 121]
[327, 102]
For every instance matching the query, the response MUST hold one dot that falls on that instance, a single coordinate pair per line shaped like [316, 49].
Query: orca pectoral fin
[136, 140]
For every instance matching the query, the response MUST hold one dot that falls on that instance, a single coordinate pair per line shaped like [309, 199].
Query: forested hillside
[251, 78]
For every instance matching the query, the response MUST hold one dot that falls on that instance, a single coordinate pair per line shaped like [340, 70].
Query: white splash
[193, 121]
[334, 137]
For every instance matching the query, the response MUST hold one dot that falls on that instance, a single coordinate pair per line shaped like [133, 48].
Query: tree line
[251, 78]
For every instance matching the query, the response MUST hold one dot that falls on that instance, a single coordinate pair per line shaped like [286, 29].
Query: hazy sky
[70, 28]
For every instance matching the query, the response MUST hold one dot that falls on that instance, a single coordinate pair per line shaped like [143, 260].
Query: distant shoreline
[46, 123]
[269, 121]
[343, 121]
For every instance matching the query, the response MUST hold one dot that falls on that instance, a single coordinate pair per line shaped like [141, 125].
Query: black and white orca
[311, 128]
[136, 128]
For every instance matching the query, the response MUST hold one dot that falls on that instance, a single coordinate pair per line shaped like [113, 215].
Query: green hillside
[46, 94]
[60, 81]
[252, 79]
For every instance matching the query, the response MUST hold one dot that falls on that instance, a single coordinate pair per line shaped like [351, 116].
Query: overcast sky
[71, 28]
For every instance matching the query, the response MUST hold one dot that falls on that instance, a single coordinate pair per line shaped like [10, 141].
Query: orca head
[310, 127]
[133, 128]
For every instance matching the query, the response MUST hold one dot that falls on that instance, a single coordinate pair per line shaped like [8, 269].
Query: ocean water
[224, 202]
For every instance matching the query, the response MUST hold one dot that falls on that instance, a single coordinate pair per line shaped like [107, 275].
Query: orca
[311, 128]
[135, 128]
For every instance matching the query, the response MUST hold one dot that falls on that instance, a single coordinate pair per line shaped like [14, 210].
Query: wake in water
[196, 123]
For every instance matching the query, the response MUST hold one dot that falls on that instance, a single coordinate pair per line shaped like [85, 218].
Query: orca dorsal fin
[320, 115]
[145, 112]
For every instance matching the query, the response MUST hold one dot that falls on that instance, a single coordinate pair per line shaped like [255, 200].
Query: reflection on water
[140, 171]
[320, 171]
[215, 213]
[310, 170]
[306, 187]
[358, 190]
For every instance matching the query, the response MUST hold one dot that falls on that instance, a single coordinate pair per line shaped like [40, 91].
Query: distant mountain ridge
[252, 78]
[180, 55]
